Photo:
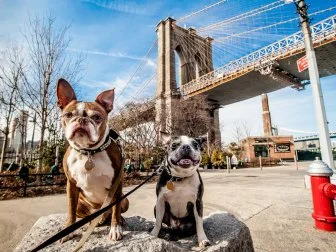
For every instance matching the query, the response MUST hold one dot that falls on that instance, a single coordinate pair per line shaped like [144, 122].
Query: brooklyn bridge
[185, 64]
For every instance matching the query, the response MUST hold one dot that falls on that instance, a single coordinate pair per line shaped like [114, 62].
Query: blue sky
[114, 35]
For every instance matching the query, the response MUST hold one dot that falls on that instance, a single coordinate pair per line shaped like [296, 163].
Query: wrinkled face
[184, 155]
[84, 123]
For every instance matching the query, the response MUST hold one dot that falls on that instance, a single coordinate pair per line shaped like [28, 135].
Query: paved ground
[273, 203]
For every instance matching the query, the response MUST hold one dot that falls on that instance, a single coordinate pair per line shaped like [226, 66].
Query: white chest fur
[93, 183]
[184, 191]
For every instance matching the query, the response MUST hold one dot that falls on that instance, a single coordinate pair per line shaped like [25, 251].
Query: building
[18, 131]
[308, 147]
[270, 146]
[312, 143]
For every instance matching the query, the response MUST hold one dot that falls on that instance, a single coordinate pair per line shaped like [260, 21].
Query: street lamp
[320, 112]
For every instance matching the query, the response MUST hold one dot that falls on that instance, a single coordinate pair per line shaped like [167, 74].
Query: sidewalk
[273, 203]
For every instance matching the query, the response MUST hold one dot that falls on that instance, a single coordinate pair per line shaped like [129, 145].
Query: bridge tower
[194, 54]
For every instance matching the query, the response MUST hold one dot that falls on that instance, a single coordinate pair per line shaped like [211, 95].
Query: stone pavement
[273, 203]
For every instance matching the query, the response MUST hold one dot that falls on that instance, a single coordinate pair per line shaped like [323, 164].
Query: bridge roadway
[253, 83]
[242, 79]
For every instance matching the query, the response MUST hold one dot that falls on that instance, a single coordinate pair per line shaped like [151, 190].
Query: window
[282, 148]
[261, 140]
[261, 150]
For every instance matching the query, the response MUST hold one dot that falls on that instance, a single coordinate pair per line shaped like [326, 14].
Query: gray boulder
[224, 231]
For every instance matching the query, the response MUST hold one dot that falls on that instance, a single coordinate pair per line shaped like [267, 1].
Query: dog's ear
[106, 99]
[165, 137]
[65, 93]
[201, 139]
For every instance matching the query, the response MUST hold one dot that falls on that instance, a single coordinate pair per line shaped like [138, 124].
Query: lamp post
[320, 112]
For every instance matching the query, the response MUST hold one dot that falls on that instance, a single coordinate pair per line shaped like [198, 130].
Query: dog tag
[170, 185]
[89, 164]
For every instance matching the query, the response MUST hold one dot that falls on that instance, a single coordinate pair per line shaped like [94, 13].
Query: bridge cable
[200, 11]
[137, 69]
[222, 39]
[248, 14]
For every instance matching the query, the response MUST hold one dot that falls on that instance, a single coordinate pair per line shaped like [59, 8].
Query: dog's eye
[174, 146]
[195, 145]
[68, 115]
[97, 118]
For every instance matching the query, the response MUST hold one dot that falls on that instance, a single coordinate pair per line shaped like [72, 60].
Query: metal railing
[313, 137]
[24, 181]
[322, 30]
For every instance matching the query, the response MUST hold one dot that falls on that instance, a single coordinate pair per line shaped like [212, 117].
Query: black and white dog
[180, 190]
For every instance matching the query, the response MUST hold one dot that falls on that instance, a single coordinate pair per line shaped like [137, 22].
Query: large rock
[224, 231]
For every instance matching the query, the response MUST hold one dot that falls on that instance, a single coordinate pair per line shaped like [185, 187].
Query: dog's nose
[186, 149]
[82, 120]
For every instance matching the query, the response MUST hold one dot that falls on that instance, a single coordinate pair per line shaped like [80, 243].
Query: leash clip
[159, 170]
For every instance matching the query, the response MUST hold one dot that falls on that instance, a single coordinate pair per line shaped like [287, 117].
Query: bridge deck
[252, 83]
[241, 79]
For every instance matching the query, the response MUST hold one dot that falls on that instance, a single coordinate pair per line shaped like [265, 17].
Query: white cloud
[149, 62]
[119, 5]
[125, 90]
[297, 131]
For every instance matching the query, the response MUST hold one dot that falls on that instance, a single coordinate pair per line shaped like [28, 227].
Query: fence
[46, 180]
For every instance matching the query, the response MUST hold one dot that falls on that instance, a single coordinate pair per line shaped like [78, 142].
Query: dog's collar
[172, 178]
[90, 152]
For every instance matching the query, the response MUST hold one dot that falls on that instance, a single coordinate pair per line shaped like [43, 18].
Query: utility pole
[59, 137]
[32, 140]
[208, 144]
[320, 112]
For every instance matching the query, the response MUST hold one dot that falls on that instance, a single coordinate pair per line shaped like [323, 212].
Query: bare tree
[246, 129]
[11, 77]
[241, 130]
[241, 133]
[135, 125]
[191, 117]
[47, 45]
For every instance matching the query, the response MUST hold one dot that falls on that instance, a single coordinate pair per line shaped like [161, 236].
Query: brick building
[270, 146]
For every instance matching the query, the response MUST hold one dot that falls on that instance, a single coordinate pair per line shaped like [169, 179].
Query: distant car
[234, 161]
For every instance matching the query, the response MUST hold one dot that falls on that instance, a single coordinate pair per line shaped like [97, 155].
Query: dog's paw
[204, 243]
[155, 232]
[67, 238]
[115, 233]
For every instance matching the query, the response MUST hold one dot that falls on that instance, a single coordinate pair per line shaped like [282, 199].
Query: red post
[323, 194]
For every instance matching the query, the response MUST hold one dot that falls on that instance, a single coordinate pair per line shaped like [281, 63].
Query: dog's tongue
[185, 162]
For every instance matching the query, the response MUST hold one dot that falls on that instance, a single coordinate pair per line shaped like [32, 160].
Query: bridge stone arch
[195, 59]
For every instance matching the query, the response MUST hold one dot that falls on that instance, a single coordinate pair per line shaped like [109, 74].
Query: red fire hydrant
[323, 193]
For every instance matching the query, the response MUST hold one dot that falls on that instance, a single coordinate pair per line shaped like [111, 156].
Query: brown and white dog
[90, 169]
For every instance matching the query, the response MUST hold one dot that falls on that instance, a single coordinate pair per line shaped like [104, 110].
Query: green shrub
[218, 158]
[49, 154]
[147, 163]
[205, 159]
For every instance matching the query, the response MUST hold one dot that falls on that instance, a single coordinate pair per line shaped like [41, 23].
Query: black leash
[89, 218]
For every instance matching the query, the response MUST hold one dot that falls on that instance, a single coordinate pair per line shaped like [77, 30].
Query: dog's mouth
[185, 162]
[80, 131]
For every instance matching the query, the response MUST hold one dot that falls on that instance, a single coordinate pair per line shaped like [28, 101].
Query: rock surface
[224, 231]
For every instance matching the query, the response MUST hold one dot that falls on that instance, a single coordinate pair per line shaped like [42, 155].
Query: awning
[269, 143]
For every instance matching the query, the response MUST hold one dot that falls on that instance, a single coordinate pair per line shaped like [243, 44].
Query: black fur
[185, 226]
[199, 201]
